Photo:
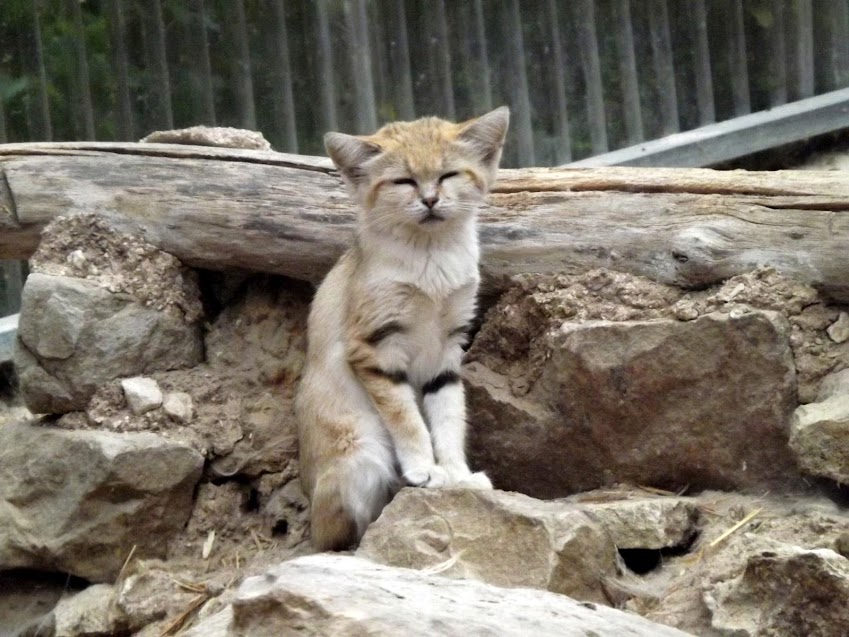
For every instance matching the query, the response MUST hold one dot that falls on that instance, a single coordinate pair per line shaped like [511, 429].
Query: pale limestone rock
[820, 437]
[178, 405]
[142, 394]
[79, 501]
[347, 596]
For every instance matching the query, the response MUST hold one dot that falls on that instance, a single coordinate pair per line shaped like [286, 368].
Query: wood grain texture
[287, 214]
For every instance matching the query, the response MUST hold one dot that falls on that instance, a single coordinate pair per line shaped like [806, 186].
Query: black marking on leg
[435, 384]
[385, 331]
[463, 331]
[397, 376]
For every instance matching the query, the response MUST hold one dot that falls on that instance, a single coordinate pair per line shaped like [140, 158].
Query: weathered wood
[221, 209]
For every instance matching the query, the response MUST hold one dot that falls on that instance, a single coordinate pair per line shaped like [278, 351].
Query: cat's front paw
[431, 477]
[478, 480]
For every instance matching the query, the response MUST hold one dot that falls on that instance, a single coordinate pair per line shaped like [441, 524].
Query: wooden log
[287, 214]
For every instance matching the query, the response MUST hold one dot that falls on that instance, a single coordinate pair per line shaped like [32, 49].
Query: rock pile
[162, 476]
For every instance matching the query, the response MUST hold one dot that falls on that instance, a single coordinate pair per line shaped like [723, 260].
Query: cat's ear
[485, 135]
[349, 153]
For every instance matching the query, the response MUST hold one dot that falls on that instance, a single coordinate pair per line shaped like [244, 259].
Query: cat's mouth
[432, 217]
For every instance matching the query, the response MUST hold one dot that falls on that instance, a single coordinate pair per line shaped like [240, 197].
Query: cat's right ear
[349, 154]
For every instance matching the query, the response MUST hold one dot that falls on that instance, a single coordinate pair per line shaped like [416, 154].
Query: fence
[582, 76]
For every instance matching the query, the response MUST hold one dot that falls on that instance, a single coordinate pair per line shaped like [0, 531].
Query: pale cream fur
[380, 404]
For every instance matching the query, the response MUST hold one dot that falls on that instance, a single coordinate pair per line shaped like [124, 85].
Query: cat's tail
[332, 528]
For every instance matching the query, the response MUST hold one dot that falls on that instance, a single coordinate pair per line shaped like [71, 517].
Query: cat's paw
[431, 477]
[478, 480]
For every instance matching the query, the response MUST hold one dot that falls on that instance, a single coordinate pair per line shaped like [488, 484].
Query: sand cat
[380, 404]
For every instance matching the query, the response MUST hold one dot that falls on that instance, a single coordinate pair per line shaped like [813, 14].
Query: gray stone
[839, 330]
[647, 523]
[785, 591]
[79, 501]
[554, 546]
[347, 596]
[657, 402]
[820, 437]
[142, 394]
[75, 336]
[178, 405]
[89, 613]
[833, 384]
[221, 136]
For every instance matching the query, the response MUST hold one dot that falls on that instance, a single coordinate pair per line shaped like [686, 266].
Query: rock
[151, 595]
[89, 613]
[786, 591]
[346, 596]
[647, 523]
[222, 136]
[27, 600]
[142, 394]
[554, 546]
[833, 384]
[79, 501]
[839, 330]
[8, 331]
[178, 405]
[820, 437]
[75, 336]
[657, 402]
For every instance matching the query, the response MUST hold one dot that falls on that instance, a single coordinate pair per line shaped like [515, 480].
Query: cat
[380, 403]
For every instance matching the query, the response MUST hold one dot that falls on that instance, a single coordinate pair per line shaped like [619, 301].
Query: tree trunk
[82, 78]
[484, 90]
[628, 73]
[518, 87]
[289, 214]
[444, 70]
[356, 21]
[591, 66]
[563, 152]
[400, 61]
[119, 47]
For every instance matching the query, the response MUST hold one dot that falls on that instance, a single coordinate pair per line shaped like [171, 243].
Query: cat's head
[427, 173]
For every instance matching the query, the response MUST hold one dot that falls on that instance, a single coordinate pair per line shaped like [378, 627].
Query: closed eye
[406, 181]
[448, 175]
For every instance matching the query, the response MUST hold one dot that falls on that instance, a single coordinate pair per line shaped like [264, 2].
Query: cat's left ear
[349, 153]
[485, 135]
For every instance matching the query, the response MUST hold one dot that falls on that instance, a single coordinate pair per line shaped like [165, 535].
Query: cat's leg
[444, 404]
[382, 370]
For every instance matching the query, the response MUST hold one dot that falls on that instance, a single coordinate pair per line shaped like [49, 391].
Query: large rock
[75, 335]
[555, 546]
[348, 596]
[561, 546]
[659, 402]
[785, 591]
[820, 437]
[79, 501]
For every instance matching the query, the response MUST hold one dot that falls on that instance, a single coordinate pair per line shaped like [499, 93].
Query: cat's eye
[406, 181]
[448, 175]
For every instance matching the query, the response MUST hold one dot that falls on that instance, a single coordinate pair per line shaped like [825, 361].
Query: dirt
[86, 247]
[536, 304]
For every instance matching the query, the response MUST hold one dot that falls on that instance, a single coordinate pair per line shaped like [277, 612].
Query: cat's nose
[430, 202]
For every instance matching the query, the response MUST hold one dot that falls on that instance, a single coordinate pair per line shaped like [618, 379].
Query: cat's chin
[431, 218]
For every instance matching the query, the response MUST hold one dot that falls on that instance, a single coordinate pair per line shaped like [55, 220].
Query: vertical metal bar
[628, 72]
[327, 84]
[443, 51]
[518, 86]
[664, 69]
[591, 67]
[739, 61]
[704, 80]
[400, 56]
[485, 87]
[356, 20]
[563, 152]
[838, 44]
[804, 49]
[778, 56]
